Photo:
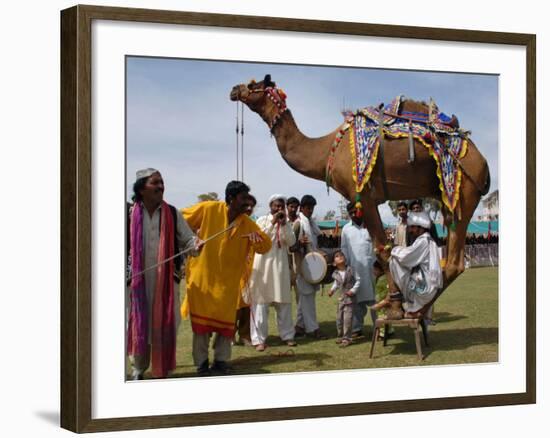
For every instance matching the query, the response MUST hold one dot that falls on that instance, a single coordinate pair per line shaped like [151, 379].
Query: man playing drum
[270, 279]
[292, 206]
[306, 231]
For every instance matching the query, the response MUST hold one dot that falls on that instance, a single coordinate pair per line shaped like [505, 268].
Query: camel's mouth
[235, 94]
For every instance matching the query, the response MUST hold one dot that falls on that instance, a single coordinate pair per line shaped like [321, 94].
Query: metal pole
[242, 141]
[237, 138]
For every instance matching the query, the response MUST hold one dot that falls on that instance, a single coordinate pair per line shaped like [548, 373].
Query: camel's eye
[252, 84]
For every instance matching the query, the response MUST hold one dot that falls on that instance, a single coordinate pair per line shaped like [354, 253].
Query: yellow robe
[214, 279]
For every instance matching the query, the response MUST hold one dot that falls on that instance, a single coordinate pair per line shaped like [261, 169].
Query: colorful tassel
[358, 206]
[428, 137]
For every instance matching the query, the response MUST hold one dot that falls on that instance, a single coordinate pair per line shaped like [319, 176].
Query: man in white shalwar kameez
[270, 278]
[307, 232]
[415, 269]
[357, 247]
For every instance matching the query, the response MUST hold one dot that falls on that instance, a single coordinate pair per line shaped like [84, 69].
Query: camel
[403, 180]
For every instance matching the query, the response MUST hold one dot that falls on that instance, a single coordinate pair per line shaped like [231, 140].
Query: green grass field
[466, 332]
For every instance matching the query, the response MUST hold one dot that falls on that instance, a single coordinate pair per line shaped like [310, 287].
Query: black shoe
[299, 331]
[318, 334]
[221, 367]
[203, 369]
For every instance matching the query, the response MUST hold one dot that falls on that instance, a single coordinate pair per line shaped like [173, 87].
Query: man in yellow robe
[214, 280]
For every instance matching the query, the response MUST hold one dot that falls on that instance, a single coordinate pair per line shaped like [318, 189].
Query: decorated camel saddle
[401, 118]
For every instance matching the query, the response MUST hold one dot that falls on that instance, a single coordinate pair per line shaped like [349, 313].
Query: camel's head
[263, 98]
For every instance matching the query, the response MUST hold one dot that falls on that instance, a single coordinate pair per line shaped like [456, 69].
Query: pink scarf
[163, 339]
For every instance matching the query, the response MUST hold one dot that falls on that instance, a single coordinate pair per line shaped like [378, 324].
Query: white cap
[420, 219]
[275, 197]
[145, 173]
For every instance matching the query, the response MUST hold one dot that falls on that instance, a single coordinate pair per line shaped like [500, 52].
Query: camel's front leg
[454, 265]
[469, 199]
[456, 232]
[457, 226]
[374, 225]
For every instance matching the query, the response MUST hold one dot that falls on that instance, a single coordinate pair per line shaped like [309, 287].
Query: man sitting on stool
[415, 269]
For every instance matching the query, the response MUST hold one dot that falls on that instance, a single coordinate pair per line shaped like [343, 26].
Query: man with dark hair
[416, 205]
[250, 204]
[307, 231]
[157, 232]
[358, 250]
[242, 323]
[292, 206]
[401, 227]
[215, 279]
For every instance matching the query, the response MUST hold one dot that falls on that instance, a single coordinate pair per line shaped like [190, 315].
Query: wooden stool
[417, 324]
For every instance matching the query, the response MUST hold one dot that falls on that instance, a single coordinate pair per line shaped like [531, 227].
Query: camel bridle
[277, 97]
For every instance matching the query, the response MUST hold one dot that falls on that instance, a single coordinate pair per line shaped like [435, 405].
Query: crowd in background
[333, 242]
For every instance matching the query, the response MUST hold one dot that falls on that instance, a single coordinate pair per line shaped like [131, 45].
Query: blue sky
[180, 120]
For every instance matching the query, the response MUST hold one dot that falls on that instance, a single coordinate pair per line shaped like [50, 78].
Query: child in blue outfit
[347, 283]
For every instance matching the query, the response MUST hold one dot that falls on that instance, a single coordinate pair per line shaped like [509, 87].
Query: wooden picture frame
[76, 217]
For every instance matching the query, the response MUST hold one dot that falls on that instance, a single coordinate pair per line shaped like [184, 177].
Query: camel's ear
[267, 81]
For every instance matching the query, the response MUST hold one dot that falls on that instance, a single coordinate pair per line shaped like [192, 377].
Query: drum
[314, 267]
[329, 257]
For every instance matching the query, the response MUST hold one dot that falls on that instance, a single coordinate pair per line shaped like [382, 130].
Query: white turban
[420, 219]
[145, 173]
[275, 197]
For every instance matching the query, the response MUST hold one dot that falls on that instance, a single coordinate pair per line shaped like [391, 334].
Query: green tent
[474, 227]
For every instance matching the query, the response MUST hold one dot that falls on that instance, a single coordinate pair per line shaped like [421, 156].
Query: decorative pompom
[428, 138]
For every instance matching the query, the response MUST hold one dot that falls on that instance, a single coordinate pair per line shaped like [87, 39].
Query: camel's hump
[414, 106]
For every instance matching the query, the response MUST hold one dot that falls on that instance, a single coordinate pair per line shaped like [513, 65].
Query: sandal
[318, 334]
